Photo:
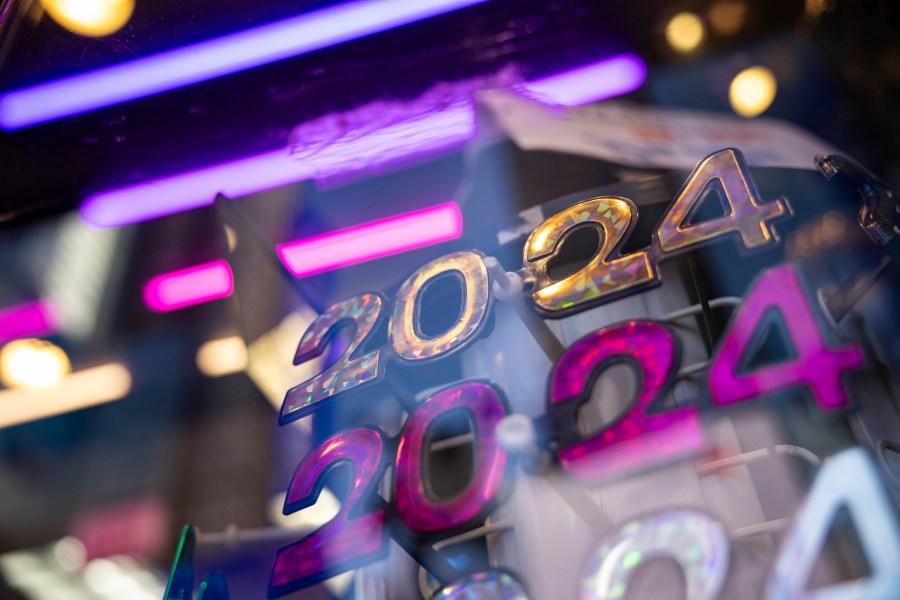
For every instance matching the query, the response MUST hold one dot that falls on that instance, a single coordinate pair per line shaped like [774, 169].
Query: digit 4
[815, 365]
[850, 480]
[727, 172]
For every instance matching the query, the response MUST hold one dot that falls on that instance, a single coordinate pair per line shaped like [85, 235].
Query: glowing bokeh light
[31, 319]
[752, 91]
[94, 18]
[376, 239]
[726, 17]
[209, 59]
[420, 135]
[685, 32]
[31, 363]
[81, 389]
[593, 82]
[217, 358]
[187, 287]
[424, 135]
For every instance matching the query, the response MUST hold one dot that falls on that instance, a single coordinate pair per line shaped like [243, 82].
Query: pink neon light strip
[32, 319]
[187, 287]
[372, 240]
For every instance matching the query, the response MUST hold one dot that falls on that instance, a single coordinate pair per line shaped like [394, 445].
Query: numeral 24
[643, 436]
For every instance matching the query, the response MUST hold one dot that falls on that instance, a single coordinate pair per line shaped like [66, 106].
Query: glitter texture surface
[419, 508]
[814, 365]
[747, 214]
[637, 439]
[405, 332]
[693, 539]
[603, 277]
[364, 311]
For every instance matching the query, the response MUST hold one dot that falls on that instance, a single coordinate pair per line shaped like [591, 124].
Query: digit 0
[485, 585]
[696, 542]
[606, 275]
[354, 537]
[407, 337]
[420, 508]
[640, 437]
[350, 370]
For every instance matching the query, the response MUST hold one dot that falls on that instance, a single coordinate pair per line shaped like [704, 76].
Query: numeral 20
[358, 367]
[358, 534]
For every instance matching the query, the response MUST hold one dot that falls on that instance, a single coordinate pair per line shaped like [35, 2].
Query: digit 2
[349, 371]
[354, 537]
[638, 438]
[603, 277]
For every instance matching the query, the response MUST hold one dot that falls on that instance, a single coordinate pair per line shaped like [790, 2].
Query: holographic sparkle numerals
[406, 333]
[724, 172]
[423, 511]
[348, 372]
[606, 277]
[407, 342]
[350, 539]
[700, 546]
[692, 539]
[638, 438]
[813, 365]
[849, 480]
[358, 534]
[485, 585]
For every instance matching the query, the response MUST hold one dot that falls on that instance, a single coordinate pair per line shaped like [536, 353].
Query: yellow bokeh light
[90, 387]
[752, 91]
[92, 18]
[685, 32]
[32, 364]
[727, 16]
[221, 357]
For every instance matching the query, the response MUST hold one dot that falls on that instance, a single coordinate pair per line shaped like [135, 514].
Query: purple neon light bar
[213, 58]
[590, 83]
[421, 134]
[304, 257]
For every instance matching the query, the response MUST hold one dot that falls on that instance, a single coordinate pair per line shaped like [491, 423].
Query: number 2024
[356, 537]
[607, 276]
